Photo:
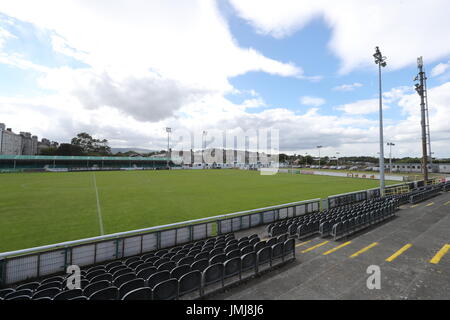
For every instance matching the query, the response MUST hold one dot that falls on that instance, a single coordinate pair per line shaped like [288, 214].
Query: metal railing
[353, 197]
[20, 265]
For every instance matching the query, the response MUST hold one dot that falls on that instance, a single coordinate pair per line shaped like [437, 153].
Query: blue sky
[223, 65]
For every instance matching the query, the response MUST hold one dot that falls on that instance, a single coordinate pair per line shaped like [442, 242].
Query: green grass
[43, 208]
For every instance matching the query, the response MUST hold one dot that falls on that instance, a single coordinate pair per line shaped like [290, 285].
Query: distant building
[21, 144]
[412, 167]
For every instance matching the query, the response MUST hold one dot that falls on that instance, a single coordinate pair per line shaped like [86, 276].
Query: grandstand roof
[14, 157]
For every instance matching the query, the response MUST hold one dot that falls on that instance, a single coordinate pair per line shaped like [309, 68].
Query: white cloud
[358, 26]
[4, 36]
[145, 58]
[312, 101]
[348, 87]
[440, 69]
[254, 103]
[362, 107]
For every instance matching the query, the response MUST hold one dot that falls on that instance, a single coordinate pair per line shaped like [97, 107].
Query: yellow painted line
[448, 202]
[364, 250]
[399, 252]
[337, 248]
[413, 206]
[430, 204]
[316, 246]
[303, 243]
[440, 254]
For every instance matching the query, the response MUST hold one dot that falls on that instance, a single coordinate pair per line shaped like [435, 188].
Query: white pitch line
[99, 210]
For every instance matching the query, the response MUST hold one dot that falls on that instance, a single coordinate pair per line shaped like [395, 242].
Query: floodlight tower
[390, 144]
[421, 90]
[381, 61]
[319, 147]
[168, 130]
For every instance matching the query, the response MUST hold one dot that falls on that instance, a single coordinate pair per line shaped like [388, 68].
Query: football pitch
[44, 208]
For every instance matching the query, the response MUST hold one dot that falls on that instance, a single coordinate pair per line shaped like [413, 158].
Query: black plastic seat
[260, 245]
[166, 290]
[277, 251]
[190, 282]
[289, 247]
[18, 293]
[263, 256]
[110, 293]
[143, 266]
[89, 276]
[131, 260]
[201, 255]
[49, 292]
[124, 278]
[232, 267]
[180, 271]
[167, 266]
[100, 277]
[68, 294]
[200, 265]
[233, 254]
[186, 260]
[59, 279]
[212, 274]
[216, 251]
[161, 261]
[112, 265]
[146, 273]
[121, 272]
[4, 292]
[30, 285]
[19, 298]
[117, 268]
[138, 294]
[133, 265]
[247, 249]
[80, 298]
[130, 286]
[231, 247]
[95, 286]
[158, 277]
[220, 258]
[248, 261]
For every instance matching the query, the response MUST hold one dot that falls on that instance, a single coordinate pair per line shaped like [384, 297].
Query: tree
[67, 149]
[51, 151]
[91, 146]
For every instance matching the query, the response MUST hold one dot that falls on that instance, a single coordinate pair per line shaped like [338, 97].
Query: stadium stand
[180, 272]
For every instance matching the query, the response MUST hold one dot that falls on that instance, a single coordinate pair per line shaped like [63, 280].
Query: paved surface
[414, 243]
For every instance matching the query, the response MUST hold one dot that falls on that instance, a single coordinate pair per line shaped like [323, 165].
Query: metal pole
[382, 184]
[421, 91]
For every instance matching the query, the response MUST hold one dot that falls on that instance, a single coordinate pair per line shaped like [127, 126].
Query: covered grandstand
[11, 163]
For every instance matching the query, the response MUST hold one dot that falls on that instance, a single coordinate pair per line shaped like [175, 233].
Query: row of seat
[322, 222]
[424, 194]
[150, 268]
[353, 225]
